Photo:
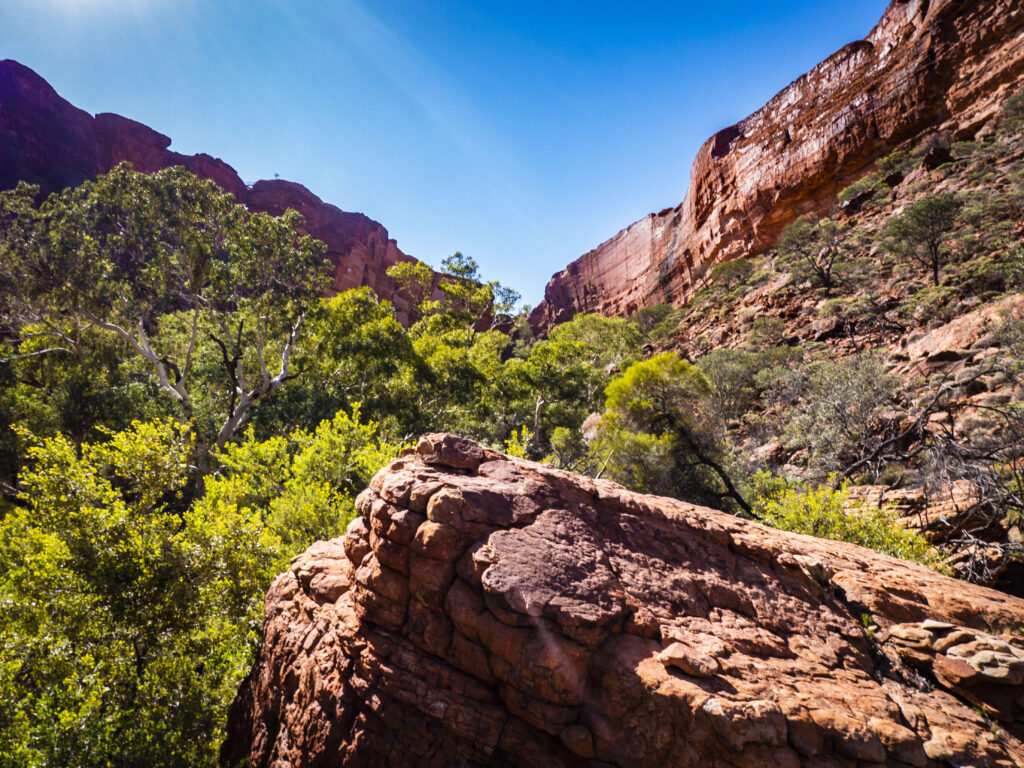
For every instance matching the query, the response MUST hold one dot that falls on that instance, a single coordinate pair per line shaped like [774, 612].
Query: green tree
[829, 408]
[814, 247]
[119, 643]
[1012, 119]
[920, 233]
[663, 404]
[127, 616]
[135, 255]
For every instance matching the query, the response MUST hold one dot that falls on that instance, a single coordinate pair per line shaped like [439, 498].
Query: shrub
[814, 249]
[828, 513]
[732, 274]
[869, 183]
[896, 162]
[828, 407]
[658, 322]
[1012, 119]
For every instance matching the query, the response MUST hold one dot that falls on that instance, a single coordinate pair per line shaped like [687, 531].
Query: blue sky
[522, 133]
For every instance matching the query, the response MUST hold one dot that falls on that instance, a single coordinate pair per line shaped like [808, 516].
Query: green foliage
[920, 233]
[1012, 119]
[827, 407]
[519, 441]
[457, 298]
[934, 302]
[869, 183]
[664, 435]
[355, 351]
[612, 342]
[121, 642]
[302, 487]
[733, 374]
[848, 308]
[766, 331]
[657, 323]
[828, 513]
[898, 162]
[175, 270]
[128, 617]
[814, 249]
[732, 274]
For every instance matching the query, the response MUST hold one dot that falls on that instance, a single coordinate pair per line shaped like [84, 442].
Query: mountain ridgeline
[47, 141]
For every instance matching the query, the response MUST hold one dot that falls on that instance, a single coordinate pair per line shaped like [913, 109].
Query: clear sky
[522, 133]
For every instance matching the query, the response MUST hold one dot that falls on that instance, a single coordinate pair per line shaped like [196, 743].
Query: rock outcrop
[485, 610]
[929, 65]
[47, 141]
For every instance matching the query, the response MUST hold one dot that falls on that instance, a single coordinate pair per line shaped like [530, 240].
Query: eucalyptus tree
[176, 270]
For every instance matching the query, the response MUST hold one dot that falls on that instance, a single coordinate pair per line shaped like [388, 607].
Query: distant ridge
[46, 140]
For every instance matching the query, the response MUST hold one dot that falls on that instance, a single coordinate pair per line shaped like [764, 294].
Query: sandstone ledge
[486, 610]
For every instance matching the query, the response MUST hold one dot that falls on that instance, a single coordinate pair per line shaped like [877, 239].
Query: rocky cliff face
[928, 65]
[491, 611]
[47, 141]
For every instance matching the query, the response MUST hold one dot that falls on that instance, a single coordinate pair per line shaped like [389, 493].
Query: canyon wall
[928, 65]
[45, 140]
[486, 610]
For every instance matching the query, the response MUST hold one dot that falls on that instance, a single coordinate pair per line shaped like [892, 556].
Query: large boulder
[486, 610]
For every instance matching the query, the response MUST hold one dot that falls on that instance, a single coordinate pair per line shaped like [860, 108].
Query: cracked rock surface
[486, 610]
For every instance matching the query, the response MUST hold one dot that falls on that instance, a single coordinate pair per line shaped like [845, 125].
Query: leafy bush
[827, 407]
[666, 438]
[828, 513]
[733, 375]
[897, 162]
[121, 637]
[732, 274]
[127, 616]
[657, 323]
[1012, 119]
[932, 303]
[868, 183]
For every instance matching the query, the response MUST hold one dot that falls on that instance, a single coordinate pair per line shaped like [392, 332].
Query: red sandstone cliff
[928, 65]
[486, 610]
[45, 140]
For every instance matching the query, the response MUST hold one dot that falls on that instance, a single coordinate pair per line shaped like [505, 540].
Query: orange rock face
[485, 610]
[45, 140]
[927, 65]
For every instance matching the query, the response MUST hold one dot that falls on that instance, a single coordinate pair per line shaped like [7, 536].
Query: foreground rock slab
[485, 610]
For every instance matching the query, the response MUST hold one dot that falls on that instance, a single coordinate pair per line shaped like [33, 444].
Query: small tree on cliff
[920, 233]
[176, 270]
[813, 247]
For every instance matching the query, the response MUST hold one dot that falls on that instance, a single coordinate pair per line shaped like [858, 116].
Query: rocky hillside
[927, 65]
[485, 610]
[45, 140]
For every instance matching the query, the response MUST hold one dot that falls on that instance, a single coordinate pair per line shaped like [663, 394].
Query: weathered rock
[45, 140]
[928, 65]
[957, 336]
[549, 619]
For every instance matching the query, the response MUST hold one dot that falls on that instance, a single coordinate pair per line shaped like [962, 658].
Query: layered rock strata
[485, 610]
[45, 140]
[929, 65]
